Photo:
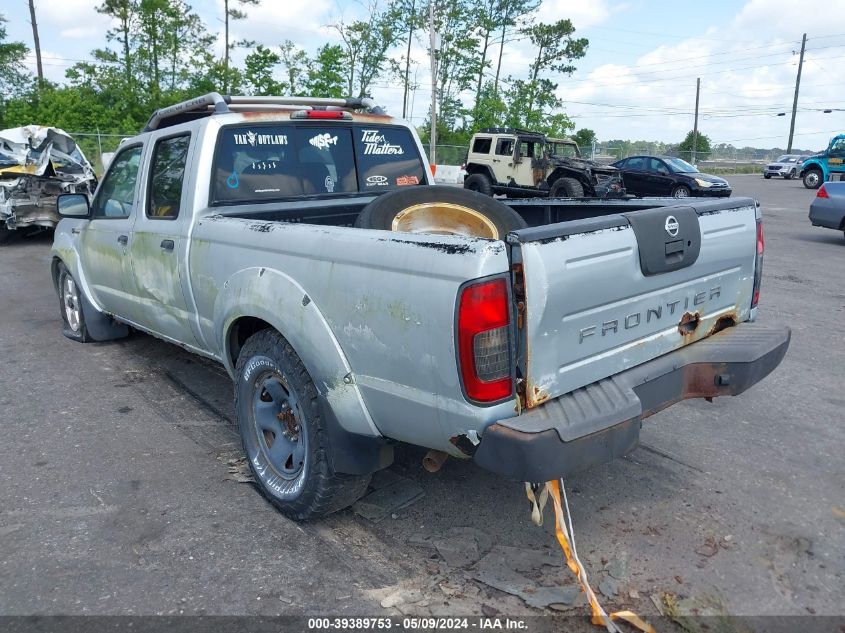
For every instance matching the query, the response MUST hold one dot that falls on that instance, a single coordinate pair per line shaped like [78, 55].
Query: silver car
[788, 166]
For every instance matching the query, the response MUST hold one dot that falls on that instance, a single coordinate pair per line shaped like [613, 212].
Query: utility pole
[432, 139]
[795, 100]
[695, 125]
[37, 42]
[408, 58]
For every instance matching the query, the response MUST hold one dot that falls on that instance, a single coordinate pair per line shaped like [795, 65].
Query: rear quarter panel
[377, 304]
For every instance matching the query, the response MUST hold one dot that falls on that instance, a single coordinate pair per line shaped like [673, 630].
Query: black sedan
[668, 176]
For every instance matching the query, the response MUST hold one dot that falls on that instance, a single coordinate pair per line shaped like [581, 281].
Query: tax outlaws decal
[376, 143]
[253, 140]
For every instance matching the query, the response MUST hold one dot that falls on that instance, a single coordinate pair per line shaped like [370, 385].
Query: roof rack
[215, 103]
[509, 130]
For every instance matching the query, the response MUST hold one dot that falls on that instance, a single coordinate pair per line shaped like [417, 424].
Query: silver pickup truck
[232, 227]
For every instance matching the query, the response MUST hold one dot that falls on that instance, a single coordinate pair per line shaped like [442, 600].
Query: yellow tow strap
[563, 530]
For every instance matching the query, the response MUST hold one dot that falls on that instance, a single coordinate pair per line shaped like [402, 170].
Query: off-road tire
[565, 187]
[380, 213]
[316, 490]
[70, 303]
[479, 183]
[813, 179]
[681, 191]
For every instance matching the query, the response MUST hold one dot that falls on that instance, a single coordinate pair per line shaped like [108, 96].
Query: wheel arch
[258, 298]
[475, 168]
[563, 172]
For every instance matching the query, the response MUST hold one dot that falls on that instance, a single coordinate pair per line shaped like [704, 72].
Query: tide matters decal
[376, 143]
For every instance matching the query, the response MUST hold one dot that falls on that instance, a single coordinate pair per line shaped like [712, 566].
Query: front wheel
[70, 306]
[813, 179]
[283, 434]
[789, 175]
[681, 191]
[565, 187]
[767, 176]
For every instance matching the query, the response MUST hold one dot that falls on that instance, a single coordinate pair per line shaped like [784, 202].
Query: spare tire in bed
[440, 209]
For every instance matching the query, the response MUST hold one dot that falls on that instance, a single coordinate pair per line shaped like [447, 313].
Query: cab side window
[168, 175]
[838, 148]
[116, 196]
[504, 147]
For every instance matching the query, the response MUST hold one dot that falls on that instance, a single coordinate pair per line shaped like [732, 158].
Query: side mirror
[73, 205]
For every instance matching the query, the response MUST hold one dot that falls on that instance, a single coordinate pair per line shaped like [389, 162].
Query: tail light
[484, 340]
[822, 193]
[758, 264]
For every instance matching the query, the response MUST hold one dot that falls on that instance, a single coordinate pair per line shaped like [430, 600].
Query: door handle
[167, 245]
[123, 239]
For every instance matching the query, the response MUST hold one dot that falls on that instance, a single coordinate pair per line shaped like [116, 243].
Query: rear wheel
[441, 210]
[283, 434]
[479, 183]
[813, 179]
[566, 188]
[681, 191]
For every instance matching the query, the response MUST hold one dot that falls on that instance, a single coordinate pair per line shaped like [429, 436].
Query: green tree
[556, 50]
[512, 14]
[584, 137]
[325, 74]
[13, 76]
[702, 145]
[258, 71]
[296, 63]
[365, 44]
[233, 13]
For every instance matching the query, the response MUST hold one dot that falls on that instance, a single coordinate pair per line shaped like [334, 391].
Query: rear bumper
[600, 422]
[827, 214]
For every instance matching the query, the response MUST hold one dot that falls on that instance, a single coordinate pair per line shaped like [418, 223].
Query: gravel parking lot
[120, 487]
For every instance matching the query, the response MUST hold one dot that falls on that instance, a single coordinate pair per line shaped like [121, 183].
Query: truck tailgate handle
[123, 239]
[167, 245]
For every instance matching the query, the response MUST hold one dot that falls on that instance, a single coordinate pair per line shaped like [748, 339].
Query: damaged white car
[37, 164]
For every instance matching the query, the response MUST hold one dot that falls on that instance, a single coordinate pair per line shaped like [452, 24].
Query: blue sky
[637, 81]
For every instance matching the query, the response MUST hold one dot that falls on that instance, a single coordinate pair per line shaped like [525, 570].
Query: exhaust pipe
[433, 460]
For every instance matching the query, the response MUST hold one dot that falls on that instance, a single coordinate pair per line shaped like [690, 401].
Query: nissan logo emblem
[672, 226]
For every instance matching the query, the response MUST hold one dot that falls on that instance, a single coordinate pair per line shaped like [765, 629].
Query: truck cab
[821, 167]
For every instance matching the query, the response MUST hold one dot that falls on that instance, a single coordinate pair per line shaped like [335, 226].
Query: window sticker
[329, 184]
[404, 181]
[233, 182]
[376, 143]
[264, 165]
[376, 181]
[252, 139]
[322, 141]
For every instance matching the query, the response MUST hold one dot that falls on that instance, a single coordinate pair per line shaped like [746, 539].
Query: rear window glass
[387, 158]
[267, 162]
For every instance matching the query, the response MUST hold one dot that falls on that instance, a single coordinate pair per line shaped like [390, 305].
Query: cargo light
[484, 341]
[758, 264]
[322, 114]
